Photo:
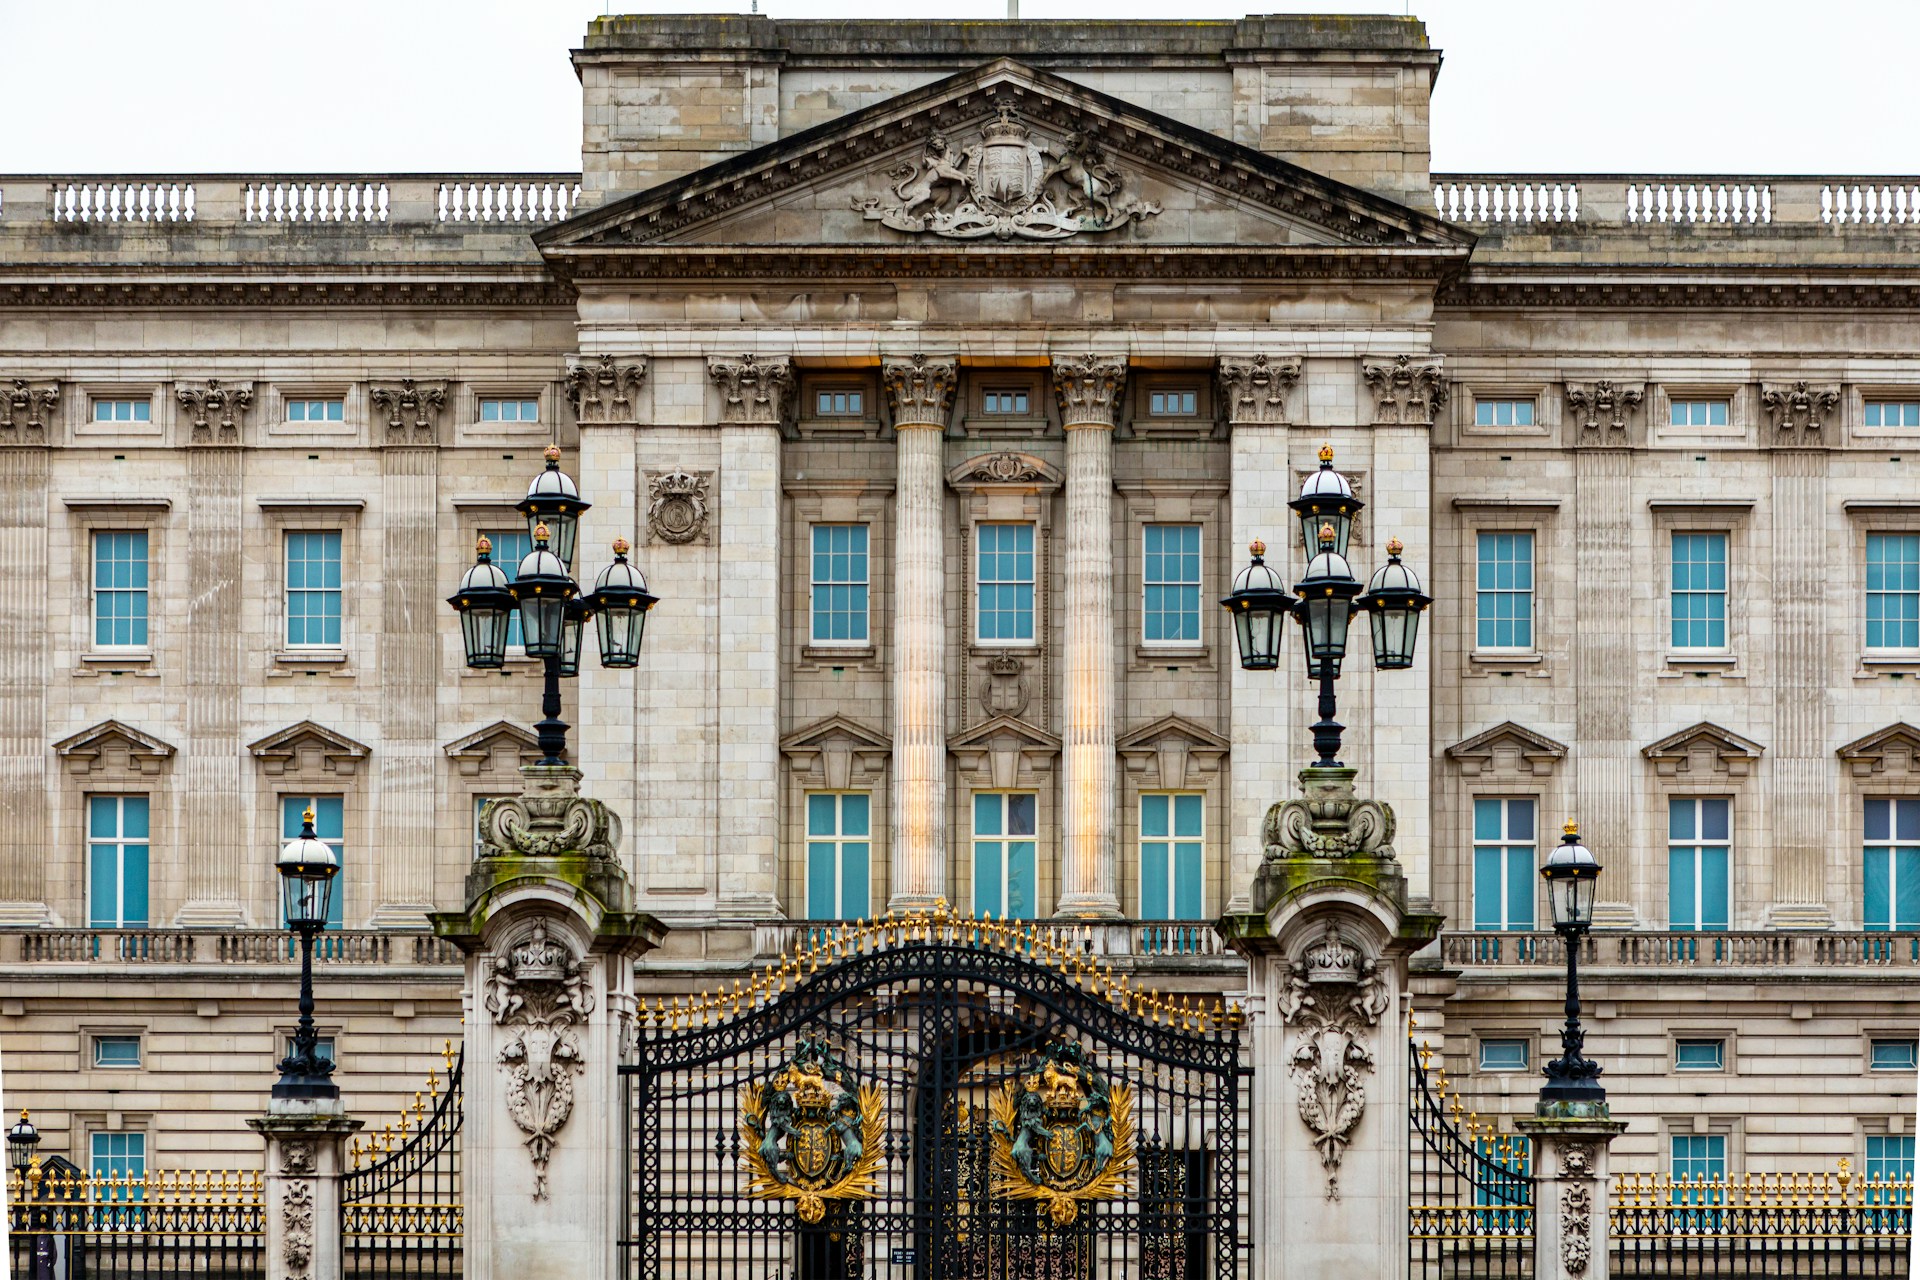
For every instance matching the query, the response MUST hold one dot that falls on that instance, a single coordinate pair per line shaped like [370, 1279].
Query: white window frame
[1492, 406]
[1198, 584]
[1172, 841]
[1725, 592]
[1480, 1053]
[1908, 407]
[119, 840]
[1031, 582]
[1532, 591]
[99, 1039]
[1676, 403]
[500, 403]
[854, 393]
[287, 589]
[1698, 843]
[987, 394]
[305, 402]
[139, 409]
[1725, 1044]
[146, 593]
[814, 639]
[839, 839]
[1004, 838]
[1506, 842]
[1185, 391]
[1867, 594]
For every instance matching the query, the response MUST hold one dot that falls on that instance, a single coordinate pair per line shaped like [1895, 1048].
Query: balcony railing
[229, 946]
[1142, 939]
[1651, 199]
[179, 200]
[1654, 949]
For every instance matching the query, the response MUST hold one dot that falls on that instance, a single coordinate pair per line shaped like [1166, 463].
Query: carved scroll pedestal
[1327, 947]
[306, 1142]
[550, 939]
[1571, 1191]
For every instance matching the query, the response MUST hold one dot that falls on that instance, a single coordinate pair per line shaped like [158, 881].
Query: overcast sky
[291, 86]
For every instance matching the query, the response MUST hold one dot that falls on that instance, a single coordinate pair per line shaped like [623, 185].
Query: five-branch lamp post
[1328, 596]
[308, 868]
[1571, 872]
[553, 611]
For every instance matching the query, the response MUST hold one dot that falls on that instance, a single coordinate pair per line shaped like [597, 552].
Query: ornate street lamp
[21, 1141]
[1571, 872]
[307, 867]
[1327, 597]
[553, 612]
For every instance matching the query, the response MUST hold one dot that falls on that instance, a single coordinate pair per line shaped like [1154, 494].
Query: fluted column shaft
[921, 391]
[1087, 388]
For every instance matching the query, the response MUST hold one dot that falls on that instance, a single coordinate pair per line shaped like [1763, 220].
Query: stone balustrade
[1646, 199]
[1141, 939]
[1654, 949]
[525, 199]
[220, 947]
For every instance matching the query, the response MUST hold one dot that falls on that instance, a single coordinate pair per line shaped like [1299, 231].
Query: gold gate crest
[810, 1135]
[1061, 1134]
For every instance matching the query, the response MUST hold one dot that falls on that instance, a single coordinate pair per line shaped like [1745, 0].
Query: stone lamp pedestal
[1570, 1189]
[1327, 946]
[550, 939]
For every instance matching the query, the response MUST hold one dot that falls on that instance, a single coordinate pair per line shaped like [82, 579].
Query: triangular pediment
[113, 745]
[1004, 732]
[308, 747]
[502, 745]
[836, 731]
[1172, 728]
[1894, 749]
[1002, 158]
[1705, 745]
[1508, 748]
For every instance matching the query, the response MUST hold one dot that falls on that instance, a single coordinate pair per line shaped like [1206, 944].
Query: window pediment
[308, 748]
[1006, 469]
[480, 751]
[1894, 750]
[1703, 749]
[838, 753]
[1170, 751]
[1507, 749]
[113, 747]
[1003, 752]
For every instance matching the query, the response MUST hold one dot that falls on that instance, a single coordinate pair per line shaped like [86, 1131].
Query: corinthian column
[922, 394]
[1087, 388]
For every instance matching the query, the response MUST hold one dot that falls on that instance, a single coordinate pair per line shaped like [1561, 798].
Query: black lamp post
[1570, 872]
[307, 867]
[553, 612]
[1328, 596]
[21, 1141]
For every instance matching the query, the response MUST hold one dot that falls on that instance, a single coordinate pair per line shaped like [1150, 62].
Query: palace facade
[941, 375]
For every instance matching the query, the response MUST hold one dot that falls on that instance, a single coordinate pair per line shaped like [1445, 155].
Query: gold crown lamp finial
[621, 546]
[1326, 455]
[307, 817]
[1572, 828]
[1395, 547]
[553, 455]
[1326, 534]
[1258, 548]
[483, 545]
[541, 533]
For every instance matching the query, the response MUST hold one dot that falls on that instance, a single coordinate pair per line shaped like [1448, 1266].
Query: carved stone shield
[1007, 174]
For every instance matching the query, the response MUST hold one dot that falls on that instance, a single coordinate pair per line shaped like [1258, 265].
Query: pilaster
[756, 397]
[1087, 388]
[1608, 771]
[24, 658]
[921, 392]
[217, 799]
[409, 678]
[1256, 391]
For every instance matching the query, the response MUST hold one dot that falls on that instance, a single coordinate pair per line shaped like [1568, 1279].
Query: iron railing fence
[195, 1223]
[1825, 1224]
[1470, 1191]
[401, 1207]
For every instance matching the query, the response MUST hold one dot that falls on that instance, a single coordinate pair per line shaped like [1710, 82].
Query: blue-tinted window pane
[1893, 413]
[1504, 601]
[1895, 1055]
[1188, 883]
[313, 589]
[117, 862]
[838, 855]
[116, 1051]
[1020, 813]
[118, 1155]
[1003, 869]
[120, 589]
[1153, 816]
[840, 583]
[1700, 1055]
[1022, 900]
[822, 879]
[1172, 870]
[1503, 413]
[1700, 1156]
[1503, 1055]
[1004, 576]
[1889, 1157]
[1699, 591]
[1154, 877]
[1171, 584]
[1893, 591]
[1188, 815]
[1521, 879]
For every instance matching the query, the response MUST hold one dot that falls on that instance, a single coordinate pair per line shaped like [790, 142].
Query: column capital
[27, 405]
[601, 388]
[754, 390]
[1408, 390]
[1255, 388]
[920, 389]
[216, 409]
[1088, 388]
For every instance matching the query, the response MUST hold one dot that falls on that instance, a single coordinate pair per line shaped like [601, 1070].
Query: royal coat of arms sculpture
[1061, 1134]
[1008, 184]
[810, 1135]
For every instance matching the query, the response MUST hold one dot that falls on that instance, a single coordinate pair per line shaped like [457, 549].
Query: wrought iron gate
[935, 1097]
[1470, 1189]
[401, 1214]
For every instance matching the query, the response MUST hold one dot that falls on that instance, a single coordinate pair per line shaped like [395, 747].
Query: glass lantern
[1571, 874]
[554, 500]
[1259, 605]
[1326, 499]
[307, 867]
[543, 589]
[486, 609]
[1394, 602]
[1326, 606]
[620, 604]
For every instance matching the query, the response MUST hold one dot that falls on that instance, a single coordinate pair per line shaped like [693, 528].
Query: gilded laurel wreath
[810, 1135]
[1061, 1135]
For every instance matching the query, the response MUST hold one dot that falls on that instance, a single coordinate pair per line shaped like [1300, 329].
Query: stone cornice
[1643, 288]
[83, 289]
